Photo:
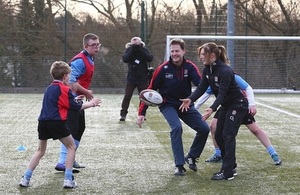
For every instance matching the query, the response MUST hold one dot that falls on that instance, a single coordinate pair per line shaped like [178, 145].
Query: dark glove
[136, 47]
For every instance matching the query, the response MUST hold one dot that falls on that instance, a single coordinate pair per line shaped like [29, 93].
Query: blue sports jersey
[58, 99]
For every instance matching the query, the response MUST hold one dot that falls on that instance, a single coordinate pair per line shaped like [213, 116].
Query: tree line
[34, 33]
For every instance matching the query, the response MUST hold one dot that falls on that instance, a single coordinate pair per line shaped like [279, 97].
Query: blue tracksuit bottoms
[193, 119]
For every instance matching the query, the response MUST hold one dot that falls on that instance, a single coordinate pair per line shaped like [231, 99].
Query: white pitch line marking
[279, 110]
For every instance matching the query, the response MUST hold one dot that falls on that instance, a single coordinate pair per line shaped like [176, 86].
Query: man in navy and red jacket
[173, 81]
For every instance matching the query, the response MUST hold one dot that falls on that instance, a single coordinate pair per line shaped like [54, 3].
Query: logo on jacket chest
[185, 73]
[215, 80]
[179, 74]
[169, 75]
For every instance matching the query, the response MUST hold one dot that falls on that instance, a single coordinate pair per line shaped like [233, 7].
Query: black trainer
[234, 172]
[179, 170]
[220, 176]
[123, 118]
[191, 162]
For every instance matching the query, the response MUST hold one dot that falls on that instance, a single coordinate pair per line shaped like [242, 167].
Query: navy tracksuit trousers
[193, 119]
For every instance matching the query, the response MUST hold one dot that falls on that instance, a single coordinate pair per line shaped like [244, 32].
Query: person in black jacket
[233, 104]
[137, 56]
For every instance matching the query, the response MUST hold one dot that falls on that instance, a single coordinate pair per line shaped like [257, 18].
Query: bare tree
[273, 17]
[200, 13]
[33, 33]
[281, 18]
[110, 10]
[209, 16]
[113, 10]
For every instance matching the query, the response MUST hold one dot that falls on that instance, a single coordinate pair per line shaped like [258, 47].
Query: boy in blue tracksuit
[173, 81]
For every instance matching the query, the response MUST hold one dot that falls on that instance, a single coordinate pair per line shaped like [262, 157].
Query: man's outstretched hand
[140, 120]
[185, 104]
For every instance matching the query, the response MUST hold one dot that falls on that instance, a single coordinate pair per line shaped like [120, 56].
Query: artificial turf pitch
[121, 158]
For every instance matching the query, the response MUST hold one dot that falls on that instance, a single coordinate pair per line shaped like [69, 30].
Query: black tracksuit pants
[229, 121]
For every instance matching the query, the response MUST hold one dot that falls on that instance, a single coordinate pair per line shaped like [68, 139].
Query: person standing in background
[137, 56]
[82, 69]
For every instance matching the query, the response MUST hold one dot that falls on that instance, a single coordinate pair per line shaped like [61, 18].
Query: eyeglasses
[95, 45]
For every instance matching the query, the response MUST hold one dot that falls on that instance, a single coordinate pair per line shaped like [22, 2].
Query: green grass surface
[121, 158]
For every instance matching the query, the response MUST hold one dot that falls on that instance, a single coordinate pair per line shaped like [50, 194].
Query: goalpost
[267, 63]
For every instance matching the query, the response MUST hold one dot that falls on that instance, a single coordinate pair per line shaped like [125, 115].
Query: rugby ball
[151, 97]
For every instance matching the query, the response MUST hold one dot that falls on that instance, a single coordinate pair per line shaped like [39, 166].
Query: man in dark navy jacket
[173, 81]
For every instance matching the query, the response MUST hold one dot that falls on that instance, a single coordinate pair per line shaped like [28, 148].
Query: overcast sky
[80, 7]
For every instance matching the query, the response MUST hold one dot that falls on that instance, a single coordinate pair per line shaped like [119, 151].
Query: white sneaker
[24, 182]
[69, 184]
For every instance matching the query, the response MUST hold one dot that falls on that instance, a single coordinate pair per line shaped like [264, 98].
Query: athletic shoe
[179, 170]
[60, 167]
[122, 118]
[214, 158]
[220, 176]
[191, 162]
[276, 159]
[233, 171]
[24, 182]
[69, 184]
[77, 165]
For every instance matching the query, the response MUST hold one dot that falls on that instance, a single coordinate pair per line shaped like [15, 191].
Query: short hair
[59, 69]
[88, 37]
[178, 42]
